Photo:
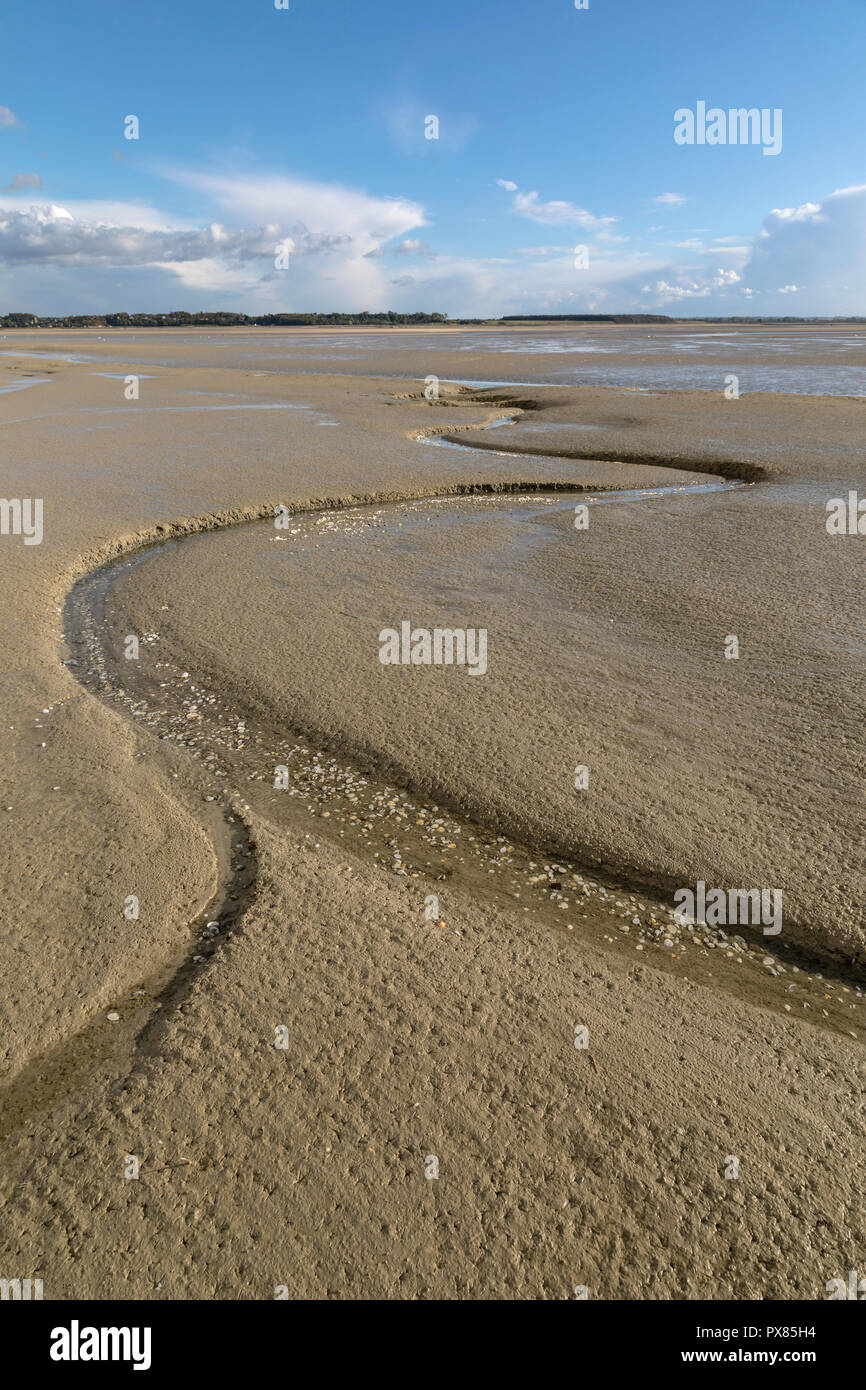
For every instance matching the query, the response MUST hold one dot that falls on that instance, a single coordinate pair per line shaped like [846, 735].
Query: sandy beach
[375, 913]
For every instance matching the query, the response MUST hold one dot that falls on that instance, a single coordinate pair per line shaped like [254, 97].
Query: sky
[284, 158]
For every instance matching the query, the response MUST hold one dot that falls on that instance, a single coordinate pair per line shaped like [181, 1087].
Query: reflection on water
[792, 380]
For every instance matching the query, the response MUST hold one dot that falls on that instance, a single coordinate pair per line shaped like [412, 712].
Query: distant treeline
[218, 319]
[222, 319]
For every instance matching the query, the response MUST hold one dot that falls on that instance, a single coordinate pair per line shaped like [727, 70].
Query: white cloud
[130, 214]
[350, 249]
[807, 212]
[819, 248]
[674, 200]
[316, 209]
[546, 281]
[334, 235]
[528, 205]
[562, 213]
[507, 185]
[816, 251]
[663, 292]
[53, 236]
[7, 118]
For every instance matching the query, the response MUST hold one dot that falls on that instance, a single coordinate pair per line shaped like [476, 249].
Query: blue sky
[303, 131]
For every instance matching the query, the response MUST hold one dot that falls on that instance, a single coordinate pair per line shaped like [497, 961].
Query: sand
[557, 1166]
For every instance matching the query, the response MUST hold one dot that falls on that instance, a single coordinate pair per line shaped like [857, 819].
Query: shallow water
[22, 385]
[805, 361]
[796, 380]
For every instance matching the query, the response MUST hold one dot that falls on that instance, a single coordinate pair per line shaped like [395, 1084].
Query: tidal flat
[378, 914]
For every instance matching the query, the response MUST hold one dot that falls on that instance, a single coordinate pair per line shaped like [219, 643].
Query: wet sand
[409, 1037]
[830, 359]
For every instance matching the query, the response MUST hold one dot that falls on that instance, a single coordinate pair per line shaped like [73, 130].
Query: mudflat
[377, 920]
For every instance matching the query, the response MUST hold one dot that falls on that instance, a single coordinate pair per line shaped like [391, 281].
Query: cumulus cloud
[816, 251]
[132, 214]
[53, 236]
[318, 216]
[507, 185]
[674, 200]
[726, 277]
[349, 249]
[7, 118]
[819, 248]
[665, 293]
[331, 232]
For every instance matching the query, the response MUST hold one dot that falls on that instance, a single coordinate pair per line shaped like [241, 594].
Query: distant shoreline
[83, 323]
[451, 326]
